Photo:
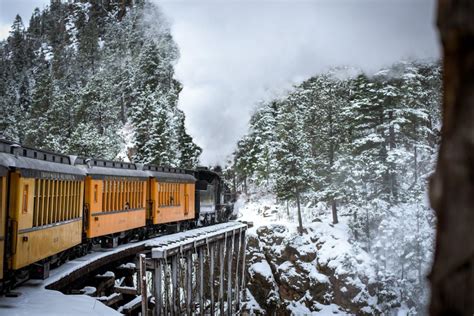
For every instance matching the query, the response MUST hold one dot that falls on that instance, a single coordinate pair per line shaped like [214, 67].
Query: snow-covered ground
[286, 268]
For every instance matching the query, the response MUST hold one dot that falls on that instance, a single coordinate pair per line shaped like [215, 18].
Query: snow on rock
[320, 272]
[89, 290]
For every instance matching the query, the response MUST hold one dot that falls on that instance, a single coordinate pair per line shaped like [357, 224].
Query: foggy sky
[10, 8]
[237, 52]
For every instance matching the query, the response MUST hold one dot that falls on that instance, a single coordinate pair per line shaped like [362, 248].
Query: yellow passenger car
[115, 197]
[171, 195]
[44, 204]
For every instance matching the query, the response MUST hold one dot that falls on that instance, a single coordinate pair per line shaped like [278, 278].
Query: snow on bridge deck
[35, 299]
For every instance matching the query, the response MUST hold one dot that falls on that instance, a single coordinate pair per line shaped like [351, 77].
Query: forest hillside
[361, 147]
[95, 78]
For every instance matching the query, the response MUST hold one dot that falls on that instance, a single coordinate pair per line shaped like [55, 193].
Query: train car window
[51, 201]
[170, 195]
[24, 209]
[173, 195]
[160, 201]
[129, 193]
[121, 192]
[54, 206]
[73, 199]
[78, 198]
[142, 192]
[112, 195]
[176, 194]
[56, 202]
[61, 200]
[35, 203]
[109, 195]
[105, 204]
[66, 199]
[126, 205]
[132, 191]
[45, 202]
[58, 209]
[96, 192]
[104, 195]
[125, 195]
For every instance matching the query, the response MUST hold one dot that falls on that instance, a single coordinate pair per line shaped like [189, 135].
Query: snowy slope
[321, 272]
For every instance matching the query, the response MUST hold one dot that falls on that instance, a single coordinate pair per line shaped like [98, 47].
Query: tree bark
[452, 185]
[300, 220]
[334, 211]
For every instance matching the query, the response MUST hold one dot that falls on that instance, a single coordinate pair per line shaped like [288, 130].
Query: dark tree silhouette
[452, 186]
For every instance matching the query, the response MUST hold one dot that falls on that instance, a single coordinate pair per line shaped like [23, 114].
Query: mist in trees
[364, 145]
[82, 73]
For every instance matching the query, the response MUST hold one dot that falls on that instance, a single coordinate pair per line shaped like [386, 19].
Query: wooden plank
[158, 282]
[174, 281]
[111, 299]
[167, 288]
[143, 282]
[243, 286]
[189, 282]
[221, 275]
[211, 276]
[128, 290]
[237, 272]
[201, 280]
[230, 256]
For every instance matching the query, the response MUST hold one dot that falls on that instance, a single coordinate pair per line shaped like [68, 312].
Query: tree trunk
[334, 211]
[452, 185]
[300, 221]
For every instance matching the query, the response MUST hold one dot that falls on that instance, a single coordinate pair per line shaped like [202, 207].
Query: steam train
[54, 207]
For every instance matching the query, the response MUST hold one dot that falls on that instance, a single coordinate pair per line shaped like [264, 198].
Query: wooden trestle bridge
[195, 272]
[201, 272]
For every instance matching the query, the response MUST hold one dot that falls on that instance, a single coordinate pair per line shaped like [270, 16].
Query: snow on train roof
[100, 172]
[28, 159]
[44, 162]
[168, 176]
[34, 164]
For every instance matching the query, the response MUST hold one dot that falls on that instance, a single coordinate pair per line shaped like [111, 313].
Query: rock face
[317, 272]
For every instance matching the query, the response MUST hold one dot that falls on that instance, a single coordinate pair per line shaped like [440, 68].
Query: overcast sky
[235, 53]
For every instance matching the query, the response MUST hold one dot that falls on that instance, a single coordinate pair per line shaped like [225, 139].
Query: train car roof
[203, 173]
[99, 168]
[31, 161]
[168, 174]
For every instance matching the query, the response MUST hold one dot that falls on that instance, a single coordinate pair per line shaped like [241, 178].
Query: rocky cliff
[319, 272]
